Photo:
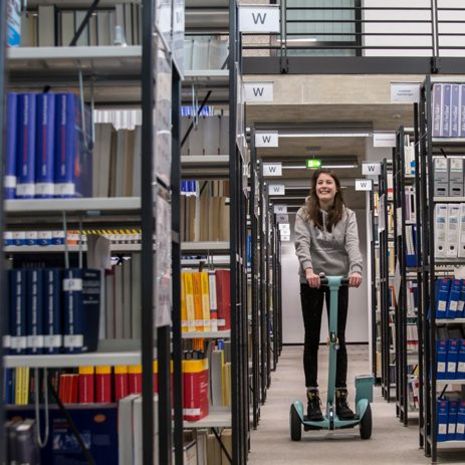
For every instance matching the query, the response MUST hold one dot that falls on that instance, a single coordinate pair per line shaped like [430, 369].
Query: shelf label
[405, 92]
[277, 209]
[272, 169]
[285, 238]
[371, 169]
[384, 139]
[266, 139]
[258, 18]
[285, 228]
[276, 189]
[258, 91]
[363, 184]
[282, 218]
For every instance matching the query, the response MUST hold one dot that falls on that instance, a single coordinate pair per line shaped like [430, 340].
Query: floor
[391, 442]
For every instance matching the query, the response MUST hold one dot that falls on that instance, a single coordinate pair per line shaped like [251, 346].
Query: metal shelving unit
[3, 300]
[385, 238]
[431, 385]
[135, 70]
[404, 357]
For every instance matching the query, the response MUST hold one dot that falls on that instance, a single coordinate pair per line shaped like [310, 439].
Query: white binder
[461, 251]
[453, 230]
[440, 230]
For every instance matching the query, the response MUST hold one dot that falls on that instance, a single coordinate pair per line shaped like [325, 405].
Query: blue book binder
[53, 327]
[454, 297]
[35, 311]
[44, 187]
[441, 357]
[461, 303]
[462, 110]
[73, 162]
[17, 306]
[460, 430]
[437, 108]
[442, 287]
[411, 258]
[11, 146]
[25, 168]
[442, 419]
[461, 360]
[452, 419]
[81, 289]
[455, 111]
[452, 358]
[445, 116]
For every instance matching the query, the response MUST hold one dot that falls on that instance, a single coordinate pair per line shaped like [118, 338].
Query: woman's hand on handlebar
[355, 279]
[313, 279]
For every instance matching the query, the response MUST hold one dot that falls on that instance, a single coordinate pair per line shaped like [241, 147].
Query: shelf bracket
[223, 448]
[84, 23]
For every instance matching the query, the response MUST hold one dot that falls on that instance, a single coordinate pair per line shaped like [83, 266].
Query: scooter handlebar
[325, 282]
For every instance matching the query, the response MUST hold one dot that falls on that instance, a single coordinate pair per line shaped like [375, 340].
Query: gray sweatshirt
[333, 253]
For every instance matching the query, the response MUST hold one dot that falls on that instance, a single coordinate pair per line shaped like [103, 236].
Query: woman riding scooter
[326, 241]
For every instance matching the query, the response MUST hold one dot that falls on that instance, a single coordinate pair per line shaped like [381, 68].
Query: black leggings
[312, 306]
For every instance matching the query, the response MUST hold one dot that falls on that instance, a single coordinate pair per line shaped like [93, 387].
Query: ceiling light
[340, 167]
[323, 134]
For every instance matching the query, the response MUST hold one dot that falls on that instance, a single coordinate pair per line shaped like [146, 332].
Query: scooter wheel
[366, 424]
[295, 424]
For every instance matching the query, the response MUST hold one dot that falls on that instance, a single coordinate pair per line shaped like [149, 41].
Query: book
[452, 419]
[11, 146]
[52, 310]
[44, 164]
[195, 377]
[13, 13]
[86, 389]
[17, 311]
[223, 290]
[81, 289]
[442, 419]
[35, 310]
[441, 357]
[25, 168]
[73, 160]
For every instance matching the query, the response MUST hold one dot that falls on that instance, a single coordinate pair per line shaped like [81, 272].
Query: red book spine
[103, 384]
[223, 299]
[135, 379]
[74, 389]
[86, 385]
[121, 382]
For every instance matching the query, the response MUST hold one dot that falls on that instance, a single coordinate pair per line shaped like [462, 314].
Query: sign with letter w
[259, 18]
[266, 139]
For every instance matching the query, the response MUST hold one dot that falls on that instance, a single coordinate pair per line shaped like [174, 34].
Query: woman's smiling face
[325, 188]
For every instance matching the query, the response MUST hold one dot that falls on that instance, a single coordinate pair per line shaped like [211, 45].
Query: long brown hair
[312, 204]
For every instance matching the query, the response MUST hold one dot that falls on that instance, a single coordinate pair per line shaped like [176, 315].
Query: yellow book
[205, 300]
[26, 378]
[197, 291]
[184, 319]
[190, 309]
[18, 381]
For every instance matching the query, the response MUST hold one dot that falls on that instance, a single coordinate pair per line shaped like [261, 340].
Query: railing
[375, 28]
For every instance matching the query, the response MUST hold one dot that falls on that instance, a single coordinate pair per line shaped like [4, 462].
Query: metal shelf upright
[3, 34]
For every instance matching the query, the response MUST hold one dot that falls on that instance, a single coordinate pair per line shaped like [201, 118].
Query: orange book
[197, 288]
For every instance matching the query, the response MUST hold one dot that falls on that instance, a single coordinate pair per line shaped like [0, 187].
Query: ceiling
[308, 118]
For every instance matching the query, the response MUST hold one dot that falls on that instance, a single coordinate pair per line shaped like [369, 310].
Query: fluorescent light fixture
[290, 135]
[340, 166]
[297, 40]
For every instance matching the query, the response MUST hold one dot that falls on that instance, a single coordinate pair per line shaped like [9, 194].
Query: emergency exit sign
[314, 164]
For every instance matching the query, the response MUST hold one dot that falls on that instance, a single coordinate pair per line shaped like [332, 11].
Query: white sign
[384, 139]
[280, 209]
[258, 91]
[284, 227]
[282, 218]
[276, 189]
[266, 139]
[371, 169]
[258, 18]
[363, 184]
[272, 169]
[285, 238]
[405, 92]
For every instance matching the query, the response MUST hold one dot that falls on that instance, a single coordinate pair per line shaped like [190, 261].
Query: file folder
[441, 177]
[440, 229]
[456, 177]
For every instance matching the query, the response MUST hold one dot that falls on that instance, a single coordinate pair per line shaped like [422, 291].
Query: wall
[357, 323]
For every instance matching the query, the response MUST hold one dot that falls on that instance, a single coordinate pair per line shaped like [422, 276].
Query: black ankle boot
[343, 410]
[313, 405]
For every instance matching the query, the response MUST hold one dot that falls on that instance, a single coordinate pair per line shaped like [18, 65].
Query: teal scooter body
[363, 384]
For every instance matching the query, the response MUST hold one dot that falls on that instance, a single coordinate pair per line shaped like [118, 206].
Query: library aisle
[390, 444]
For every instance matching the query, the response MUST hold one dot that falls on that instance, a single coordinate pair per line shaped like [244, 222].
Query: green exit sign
[314, 164]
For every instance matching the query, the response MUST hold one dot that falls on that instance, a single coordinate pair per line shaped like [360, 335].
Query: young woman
[326, 241]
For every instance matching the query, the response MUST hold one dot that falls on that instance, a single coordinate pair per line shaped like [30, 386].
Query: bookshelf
[408, 314]
[3, 300]
[386, 236]
[136, 72]
[438, 333]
